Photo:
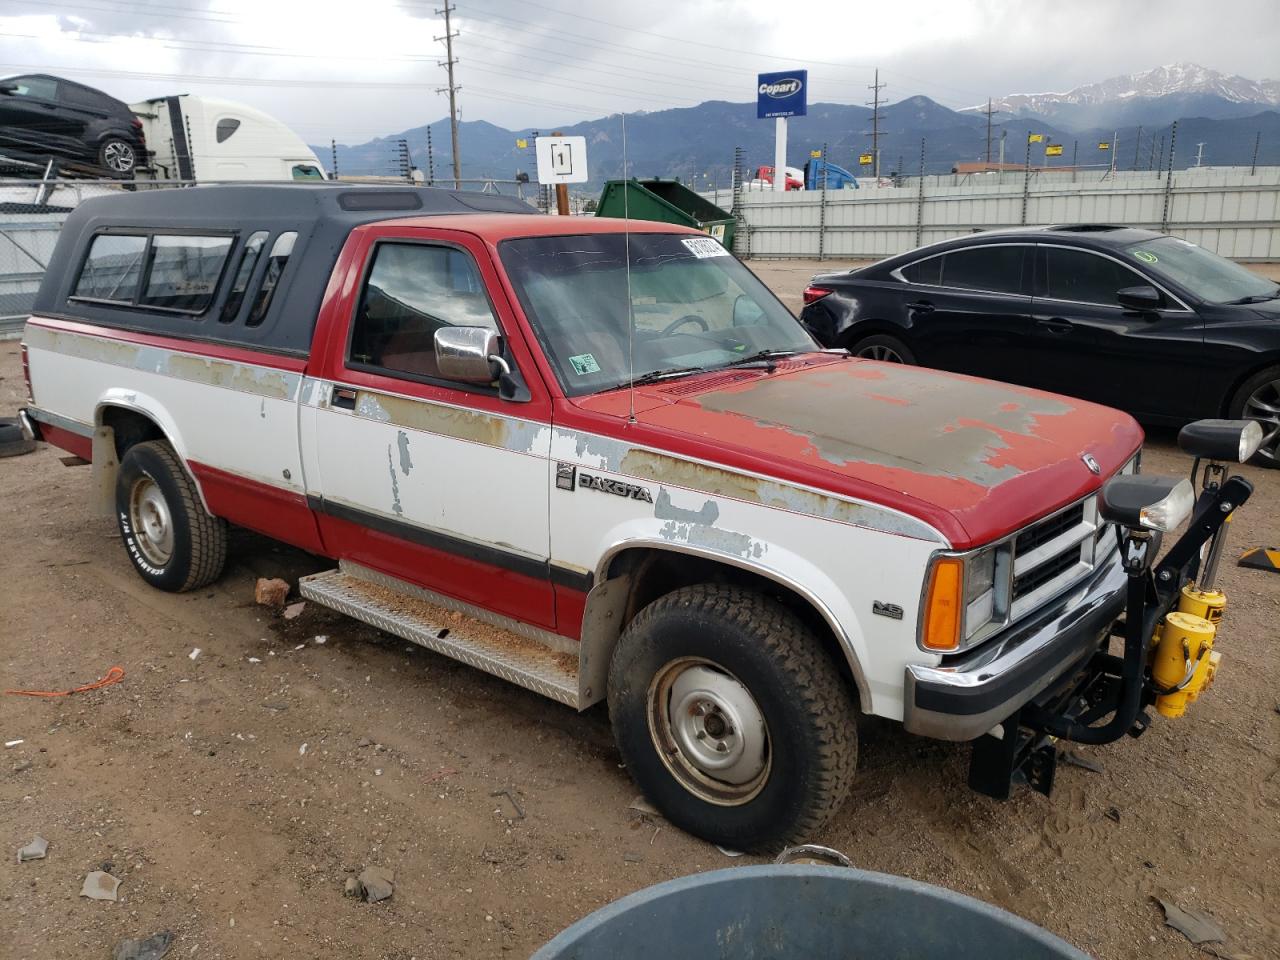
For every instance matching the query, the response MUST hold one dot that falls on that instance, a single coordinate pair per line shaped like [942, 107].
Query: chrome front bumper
[968, 695]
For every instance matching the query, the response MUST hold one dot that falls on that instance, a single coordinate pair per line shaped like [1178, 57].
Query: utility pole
[452, 89]
[875, 88]
[988, 131]
[1137, 146]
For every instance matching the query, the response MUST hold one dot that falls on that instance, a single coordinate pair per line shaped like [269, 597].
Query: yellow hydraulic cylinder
[1185, 639]
[1208, 604]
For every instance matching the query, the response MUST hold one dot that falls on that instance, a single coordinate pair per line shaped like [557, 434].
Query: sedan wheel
[1263, 405]
[880, 352]
[884, 348]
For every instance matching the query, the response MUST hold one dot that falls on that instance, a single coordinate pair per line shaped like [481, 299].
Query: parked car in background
[1134, 319]
[49, 116]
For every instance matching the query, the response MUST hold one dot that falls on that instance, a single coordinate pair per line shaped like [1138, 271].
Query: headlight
[965, 596]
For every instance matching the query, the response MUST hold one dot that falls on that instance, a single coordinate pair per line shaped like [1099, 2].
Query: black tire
[883, 347]
[173, 542]
[1259, 399]
[118, 156]
[743, 638]
[12, 441]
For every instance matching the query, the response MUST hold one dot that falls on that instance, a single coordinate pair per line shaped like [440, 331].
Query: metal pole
[449, 63]
[780, 155]
[1026, 179]
[431, 160]
[822, 209]
[988, 131]
[333, 155]
[920, 199]
[740, 222]
[1168, 184]
[876, 87]
[1137, 145]
[1151, 160]
[1253, 167]
[1075, 152]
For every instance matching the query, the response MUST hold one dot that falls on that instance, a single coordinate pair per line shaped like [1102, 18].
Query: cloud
[332, 71]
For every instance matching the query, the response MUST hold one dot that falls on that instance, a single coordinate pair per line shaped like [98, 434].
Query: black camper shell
[275, 245]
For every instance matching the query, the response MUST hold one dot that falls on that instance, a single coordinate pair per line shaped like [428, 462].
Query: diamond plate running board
[403, 610]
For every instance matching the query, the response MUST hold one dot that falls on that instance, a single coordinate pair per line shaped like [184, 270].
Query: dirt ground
[234, 792]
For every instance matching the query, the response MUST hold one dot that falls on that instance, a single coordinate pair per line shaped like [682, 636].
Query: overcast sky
[356, 69]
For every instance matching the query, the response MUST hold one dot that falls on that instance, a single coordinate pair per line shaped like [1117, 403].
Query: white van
[207, 139]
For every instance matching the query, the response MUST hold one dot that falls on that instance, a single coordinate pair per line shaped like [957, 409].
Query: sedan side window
[1085, 277]
[997, 269]
[42, 88]
[413, 290]
[928, 271]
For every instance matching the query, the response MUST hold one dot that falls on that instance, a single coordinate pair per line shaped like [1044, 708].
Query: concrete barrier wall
[1229, 211]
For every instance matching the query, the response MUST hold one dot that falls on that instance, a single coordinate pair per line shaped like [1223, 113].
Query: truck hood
[973, 458]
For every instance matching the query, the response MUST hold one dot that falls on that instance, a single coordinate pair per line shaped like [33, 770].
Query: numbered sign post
[562, 160]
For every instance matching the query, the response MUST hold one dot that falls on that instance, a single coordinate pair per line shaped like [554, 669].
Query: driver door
[440, 483]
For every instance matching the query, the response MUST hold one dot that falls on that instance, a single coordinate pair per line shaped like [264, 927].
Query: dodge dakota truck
[613, 450]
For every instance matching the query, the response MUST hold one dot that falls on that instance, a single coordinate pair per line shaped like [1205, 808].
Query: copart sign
[782, 94]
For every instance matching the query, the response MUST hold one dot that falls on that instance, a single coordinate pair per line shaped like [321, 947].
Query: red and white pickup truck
[622, 458]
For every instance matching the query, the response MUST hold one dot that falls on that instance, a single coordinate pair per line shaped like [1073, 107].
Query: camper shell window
[169, 272]
[248, 261]
[276, 263]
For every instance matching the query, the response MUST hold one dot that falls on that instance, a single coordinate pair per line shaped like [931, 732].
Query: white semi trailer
[207, 139]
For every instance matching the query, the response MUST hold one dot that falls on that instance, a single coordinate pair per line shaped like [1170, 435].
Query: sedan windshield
[1208, 276]
[693, 307]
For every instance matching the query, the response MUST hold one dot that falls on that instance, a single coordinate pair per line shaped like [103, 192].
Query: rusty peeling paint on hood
[990, 456]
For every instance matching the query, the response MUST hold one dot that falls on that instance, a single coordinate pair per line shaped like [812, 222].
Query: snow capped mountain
[1174, 79]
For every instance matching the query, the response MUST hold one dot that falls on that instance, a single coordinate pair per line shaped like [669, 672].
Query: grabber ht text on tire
[173, 542]
[732, 717]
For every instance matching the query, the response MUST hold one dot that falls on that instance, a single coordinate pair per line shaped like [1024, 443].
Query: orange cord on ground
[114, 675]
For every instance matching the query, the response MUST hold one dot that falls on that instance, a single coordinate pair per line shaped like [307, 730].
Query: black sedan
[48, 116]
[1148, 323]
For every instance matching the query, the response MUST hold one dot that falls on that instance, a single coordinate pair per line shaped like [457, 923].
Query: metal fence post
[739, 219]
[1168, 183]
[1026, 180]
[822, 209]
[920, 199]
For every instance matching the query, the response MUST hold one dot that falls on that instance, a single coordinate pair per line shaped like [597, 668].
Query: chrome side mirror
[470, 354]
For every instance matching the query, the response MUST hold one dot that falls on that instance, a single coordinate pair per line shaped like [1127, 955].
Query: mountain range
[1228, 114]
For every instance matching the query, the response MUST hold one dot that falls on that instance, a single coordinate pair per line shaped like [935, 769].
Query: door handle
[921, 306]
[344, 397]
[1057, 326]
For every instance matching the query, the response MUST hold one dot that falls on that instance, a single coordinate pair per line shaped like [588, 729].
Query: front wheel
[173, 542]
[1259, 399]
[732, 717]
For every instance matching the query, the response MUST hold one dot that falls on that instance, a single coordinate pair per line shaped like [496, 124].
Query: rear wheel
[1259, 399]
[119, 156]
[173, 542]
[732, 717]
[883, 347]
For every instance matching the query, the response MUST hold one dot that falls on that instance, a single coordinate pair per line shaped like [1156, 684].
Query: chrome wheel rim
[881, 352]
[1263, 405]
[709, 731]
[151, 521]
[118, 156]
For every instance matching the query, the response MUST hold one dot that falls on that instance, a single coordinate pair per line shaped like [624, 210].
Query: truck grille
[1056, 552]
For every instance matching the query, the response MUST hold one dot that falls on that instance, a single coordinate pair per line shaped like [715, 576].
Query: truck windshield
[694, 306]
[1208, 276]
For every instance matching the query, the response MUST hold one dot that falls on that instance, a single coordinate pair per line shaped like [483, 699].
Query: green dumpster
[665, 201]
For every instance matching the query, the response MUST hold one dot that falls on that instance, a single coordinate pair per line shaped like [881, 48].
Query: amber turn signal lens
[942, 606]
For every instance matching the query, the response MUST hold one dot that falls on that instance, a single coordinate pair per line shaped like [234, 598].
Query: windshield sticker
[1146, 257]
[583, 364]
[704, 247]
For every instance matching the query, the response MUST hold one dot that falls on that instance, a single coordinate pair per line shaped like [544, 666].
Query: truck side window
[412, 291]
[248, 261]
[184, 272]
[225, 128]
[112, 268]
[276, 263]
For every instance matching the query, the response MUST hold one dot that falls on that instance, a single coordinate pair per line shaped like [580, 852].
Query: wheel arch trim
[106, 464]
[598, 643]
